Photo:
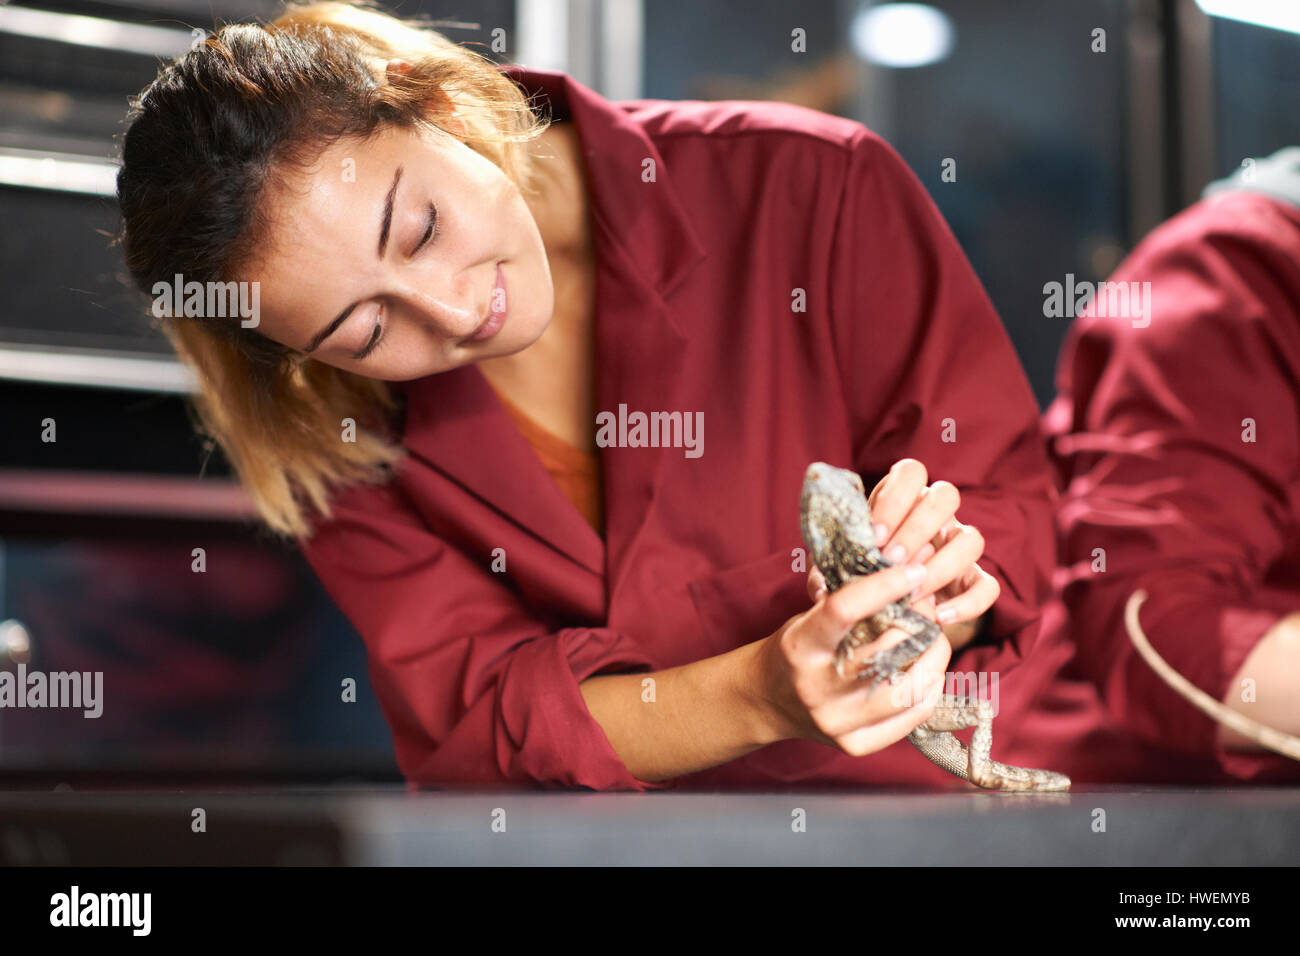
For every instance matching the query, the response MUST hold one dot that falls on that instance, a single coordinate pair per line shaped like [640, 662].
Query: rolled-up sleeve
[1177, 444]
[931, 374]
[477, 692]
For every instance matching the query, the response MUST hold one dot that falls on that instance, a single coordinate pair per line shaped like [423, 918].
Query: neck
[560, 204]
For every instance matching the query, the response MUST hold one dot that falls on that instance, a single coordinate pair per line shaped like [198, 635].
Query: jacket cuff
[1017, 552]
[546, 731]
[531, 729]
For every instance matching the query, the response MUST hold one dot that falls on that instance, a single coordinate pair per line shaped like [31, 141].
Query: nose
[452, 306]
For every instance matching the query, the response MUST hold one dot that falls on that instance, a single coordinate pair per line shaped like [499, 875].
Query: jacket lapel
[640, 357]
[456, 422]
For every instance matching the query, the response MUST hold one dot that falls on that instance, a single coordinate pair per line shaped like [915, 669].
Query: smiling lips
[492, 324]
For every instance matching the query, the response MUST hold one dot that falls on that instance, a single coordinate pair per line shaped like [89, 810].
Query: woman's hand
[807, 699]
[916, 522]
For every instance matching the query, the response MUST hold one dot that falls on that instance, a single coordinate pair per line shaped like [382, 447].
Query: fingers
[816, 584]
[916, 523]
[893, 496]
[979, 590]
[842, 710]
[860, 656]
[925, 605]
[868, 720]
[879, 735]
[861, 597]
[931, 510]
[961, 545]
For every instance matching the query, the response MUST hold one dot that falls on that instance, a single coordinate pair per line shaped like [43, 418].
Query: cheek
[537, 299]
[530, 283]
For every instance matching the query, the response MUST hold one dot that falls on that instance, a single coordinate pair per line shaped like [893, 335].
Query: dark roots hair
[204, 141]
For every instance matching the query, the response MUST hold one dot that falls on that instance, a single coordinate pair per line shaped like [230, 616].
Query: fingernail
[882, 532]
[915, 573]
[946, 614]
[896, 554]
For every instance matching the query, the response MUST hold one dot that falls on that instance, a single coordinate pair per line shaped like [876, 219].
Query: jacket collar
[645, 247]
[646, 221]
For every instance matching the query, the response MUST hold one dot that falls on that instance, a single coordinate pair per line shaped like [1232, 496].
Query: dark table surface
[386, 825]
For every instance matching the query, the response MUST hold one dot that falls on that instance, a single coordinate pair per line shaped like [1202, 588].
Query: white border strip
[94, 31]
[622, 49]
[109, 371]
[1274, 14]
[542, 34]
[89, 492]
[63, 172]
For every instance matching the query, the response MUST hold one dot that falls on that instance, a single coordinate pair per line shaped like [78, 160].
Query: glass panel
[1257, 92]
[1033, 118]
[239, 666]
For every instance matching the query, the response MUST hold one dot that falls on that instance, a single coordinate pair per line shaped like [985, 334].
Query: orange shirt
[577, 472]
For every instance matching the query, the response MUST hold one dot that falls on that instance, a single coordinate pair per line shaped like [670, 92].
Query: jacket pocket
[745, 603]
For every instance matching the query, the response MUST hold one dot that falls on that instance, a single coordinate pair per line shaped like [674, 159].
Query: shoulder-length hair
[203, 142]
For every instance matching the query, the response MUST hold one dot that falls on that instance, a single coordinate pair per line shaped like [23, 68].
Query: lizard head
[834, 517]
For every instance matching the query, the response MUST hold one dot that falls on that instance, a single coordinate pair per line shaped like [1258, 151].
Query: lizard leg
[887, 665]
[944, 750]
[940, 748]
[954, 713]
[860, 634]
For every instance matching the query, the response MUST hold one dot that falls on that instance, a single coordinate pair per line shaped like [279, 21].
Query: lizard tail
[1274, 740]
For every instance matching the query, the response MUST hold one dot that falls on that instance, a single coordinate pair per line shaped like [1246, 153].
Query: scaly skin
[837, 528]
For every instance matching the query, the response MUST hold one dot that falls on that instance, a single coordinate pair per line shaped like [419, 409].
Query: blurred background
[1076, 127]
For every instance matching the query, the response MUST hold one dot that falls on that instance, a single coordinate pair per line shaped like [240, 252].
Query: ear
[396, 68]
[449, 116]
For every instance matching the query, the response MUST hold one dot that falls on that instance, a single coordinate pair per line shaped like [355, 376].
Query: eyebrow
[388, 212]
[384, 227]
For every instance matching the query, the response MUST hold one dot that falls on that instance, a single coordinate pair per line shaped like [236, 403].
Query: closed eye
[430, 229]
[375, 336]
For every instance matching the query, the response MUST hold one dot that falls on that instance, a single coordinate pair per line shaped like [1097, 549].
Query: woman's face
[382, 258]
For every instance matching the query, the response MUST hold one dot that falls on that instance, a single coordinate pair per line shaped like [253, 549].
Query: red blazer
[754, 210]
[1147, 432]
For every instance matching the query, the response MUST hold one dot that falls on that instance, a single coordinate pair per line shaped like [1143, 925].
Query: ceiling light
[1275, 14]
[901, 34]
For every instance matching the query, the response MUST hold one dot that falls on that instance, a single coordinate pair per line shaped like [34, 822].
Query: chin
[524, 334]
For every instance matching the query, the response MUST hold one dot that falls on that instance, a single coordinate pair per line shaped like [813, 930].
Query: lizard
[835, 519]
[1275, 740]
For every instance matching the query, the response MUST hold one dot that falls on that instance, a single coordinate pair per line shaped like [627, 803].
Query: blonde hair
[205, 139]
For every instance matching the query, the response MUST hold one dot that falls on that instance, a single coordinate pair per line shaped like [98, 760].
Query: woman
[486, 351]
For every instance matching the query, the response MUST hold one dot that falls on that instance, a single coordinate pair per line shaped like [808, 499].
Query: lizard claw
[841, 657]
[878, 674]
